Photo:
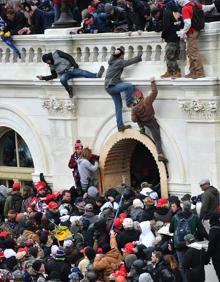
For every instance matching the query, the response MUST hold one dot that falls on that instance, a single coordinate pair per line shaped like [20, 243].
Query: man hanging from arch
[143, 113]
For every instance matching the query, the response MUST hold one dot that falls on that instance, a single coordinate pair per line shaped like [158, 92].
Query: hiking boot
[70, 91]
[176, 74]
[198, 75]
[166, 74]
[161, 158]
[100, 72]
[189, 75]
[123, 128]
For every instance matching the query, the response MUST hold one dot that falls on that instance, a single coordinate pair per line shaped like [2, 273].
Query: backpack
[198, 19]
[183, 228]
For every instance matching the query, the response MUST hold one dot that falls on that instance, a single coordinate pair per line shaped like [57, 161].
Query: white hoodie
[147, 237]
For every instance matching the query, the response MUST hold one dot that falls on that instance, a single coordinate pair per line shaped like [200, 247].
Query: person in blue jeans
[63, 65]
[114, 86]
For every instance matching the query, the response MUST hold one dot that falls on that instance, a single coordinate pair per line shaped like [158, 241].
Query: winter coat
[193, 265]
[62, 62]
[160, 272]
[46, 18]
[136, 15]
[62, 266]
[136, 214]
[195, 226]
[147, 237]
[31, 235]
[171, 24]
[144, 111]
[210, 202]
[86, 170]
[115, 69]
[90, 216]
[127, 236]
[100, 22]
[163, 214]
[13, 201]
[18, 23]
[113, 257]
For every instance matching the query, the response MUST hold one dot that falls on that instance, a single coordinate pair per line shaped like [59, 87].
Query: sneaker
[70, 91]
[166, 74]
[123, 128]
[161, 158]
[100, 72]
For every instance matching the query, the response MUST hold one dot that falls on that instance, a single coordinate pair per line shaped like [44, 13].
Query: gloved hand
[181, 34]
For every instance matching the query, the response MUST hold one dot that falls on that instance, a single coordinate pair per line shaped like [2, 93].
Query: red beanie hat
[118, 223]
[123, 215]
[78, 144]
[16, 186]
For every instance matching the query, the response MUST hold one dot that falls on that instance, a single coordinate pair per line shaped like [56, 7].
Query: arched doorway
[118, 157]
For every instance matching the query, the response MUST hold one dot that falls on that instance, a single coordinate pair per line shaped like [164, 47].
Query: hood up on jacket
[147, 237]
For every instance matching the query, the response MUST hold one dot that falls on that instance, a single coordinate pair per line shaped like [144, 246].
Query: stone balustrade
[90, 50]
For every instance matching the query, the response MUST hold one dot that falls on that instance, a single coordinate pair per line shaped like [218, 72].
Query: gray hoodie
[86, 170]
[115, 69]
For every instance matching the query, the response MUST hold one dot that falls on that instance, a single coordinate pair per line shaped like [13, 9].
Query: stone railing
[93, 49]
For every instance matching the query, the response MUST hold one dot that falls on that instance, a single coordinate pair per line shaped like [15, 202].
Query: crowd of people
[122, 235]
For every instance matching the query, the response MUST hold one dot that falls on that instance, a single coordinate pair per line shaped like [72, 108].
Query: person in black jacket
[129, 234]
[214, 242]
[137, 12]
[15, 21]
[63, 65]
[194, 261]
[172, 22]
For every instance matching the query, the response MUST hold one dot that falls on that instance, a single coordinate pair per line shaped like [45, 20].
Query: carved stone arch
[115, 159]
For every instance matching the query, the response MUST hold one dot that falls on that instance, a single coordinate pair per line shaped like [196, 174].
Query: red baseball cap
[118, 223]
[53, 205]
[123, 215]
[40, 185]
[162, 202]
[129, 248]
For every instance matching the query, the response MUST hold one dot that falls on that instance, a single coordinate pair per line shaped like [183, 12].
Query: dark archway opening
[143, 167]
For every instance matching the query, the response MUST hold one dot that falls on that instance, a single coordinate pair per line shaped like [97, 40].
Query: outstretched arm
[48, 77]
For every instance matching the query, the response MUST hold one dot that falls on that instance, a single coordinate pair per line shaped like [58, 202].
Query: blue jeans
[115, 92]
[73, 74]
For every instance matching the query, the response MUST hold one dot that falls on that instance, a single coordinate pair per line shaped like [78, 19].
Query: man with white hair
[191, 33]
[210, 202]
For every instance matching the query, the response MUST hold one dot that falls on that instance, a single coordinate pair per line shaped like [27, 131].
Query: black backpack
[198, 19]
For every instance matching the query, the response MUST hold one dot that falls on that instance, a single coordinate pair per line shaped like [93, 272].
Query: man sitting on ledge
[63, 65]
[143, 114]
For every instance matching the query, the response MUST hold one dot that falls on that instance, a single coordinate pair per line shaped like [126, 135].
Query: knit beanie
[54, 249]
[92, 192]
[16, 186]
[78, 145]
[128, 223]
[37, 265]
[145, 277]
[118, 223]
[47, 57]
[108, 8]
[137, 203]
[60, 255]
[129, 259]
